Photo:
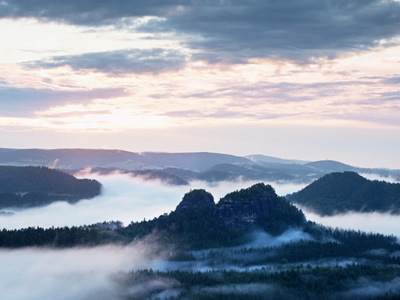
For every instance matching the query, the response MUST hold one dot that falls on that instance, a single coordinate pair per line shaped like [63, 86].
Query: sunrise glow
[174, 69]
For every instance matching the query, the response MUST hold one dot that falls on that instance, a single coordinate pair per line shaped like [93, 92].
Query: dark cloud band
[153, 61]
[236, 30]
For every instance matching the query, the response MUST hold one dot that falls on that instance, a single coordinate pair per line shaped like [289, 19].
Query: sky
[309, 79]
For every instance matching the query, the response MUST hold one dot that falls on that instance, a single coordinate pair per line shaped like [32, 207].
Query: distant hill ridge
[341, 192]
[180, 168]
[81, 158]
[35, 186]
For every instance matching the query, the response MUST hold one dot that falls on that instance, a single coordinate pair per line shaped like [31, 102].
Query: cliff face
[241, 210]
[258, 207]
[199, 223]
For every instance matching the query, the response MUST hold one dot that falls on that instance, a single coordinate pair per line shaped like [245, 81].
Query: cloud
[78, 273]
[383, 223]
[298, 30]
[221, 113]
[275, 93]
[92, 273]
[391, 80]
[235, 30]
[372, 176]
[125, 199]
[119, 62]
[25, 101]
[261, 239]
[131, 199]
[90, 12]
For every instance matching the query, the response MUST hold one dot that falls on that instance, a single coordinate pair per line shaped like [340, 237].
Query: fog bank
[383, 223]
[85, 273]
[123, 198]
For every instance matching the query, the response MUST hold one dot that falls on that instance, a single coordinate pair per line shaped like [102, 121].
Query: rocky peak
[196, 200]
[258, 206]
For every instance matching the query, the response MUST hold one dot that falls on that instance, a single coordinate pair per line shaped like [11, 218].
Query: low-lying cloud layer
[125, 199]
[383, 223]
[85, 273]
[128, 199]
[92, 273]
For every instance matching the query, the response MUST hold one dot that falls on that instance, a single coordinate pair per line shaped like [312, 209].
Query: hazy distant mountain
[348, 191]
[247, 172]
[329, 166]
[178, 168]
[75, 159]
[259, 158]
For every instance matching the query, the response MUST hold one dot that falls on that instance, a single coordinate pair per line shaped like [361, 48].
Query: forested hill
[348, 191]
[199, 223]
[36, 186]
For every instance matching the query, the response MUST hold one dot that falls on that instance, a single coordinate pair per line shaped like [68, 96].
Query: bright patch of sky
[123, 67]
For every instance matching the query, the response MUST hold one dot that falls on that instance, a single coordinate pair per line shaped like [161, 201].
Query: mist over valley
[163, 247]
[199, 150]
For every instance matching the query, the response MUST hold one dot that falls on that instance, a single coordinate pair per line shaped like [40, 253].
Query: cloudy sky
[308, 79]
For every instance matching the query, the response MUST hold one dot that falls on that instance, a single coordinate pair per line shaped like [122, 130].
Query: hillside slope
[348, 191]
[199, 223]
[36, 186]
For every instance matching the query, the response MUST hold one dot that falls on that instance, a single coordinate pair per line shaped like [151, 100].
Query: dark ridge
[258, 207]
[348, 191]
[36, 186]
[196, 200]
[199, 223]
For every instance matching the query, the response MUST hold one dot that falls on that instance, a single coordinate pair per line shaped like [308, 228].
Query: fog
[89, 273]
[92, 273]
[123, 198]
[372, 176]
[367, 288]
[83, 273]
[383, 223]
[263, 239]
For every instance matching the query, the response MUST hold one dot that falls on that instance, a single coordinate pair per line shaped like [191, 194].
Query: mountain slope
[270, 159]
[258, 207]
[199, 223]
[348, 191]
[329, 166]
[33, 186]
[183, 166]
[75, 159]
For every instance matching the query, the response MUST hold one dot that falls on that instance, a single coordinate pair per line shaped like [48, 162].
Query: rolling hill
[37, 186]
[348, 191]
[178, 168]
